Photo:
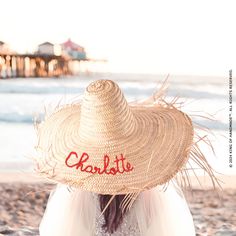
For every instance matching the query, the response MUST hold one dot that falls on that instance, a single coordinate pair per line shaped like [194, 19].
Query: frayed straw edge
[158, 99]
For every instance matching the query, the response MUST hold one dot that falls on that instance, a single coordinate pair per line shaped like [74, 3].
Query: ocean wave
[22, 98]
[15, 117]
[62, 86]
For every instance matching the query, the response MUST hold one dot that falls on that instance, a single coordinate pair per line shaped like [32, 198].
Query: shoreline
[226, 181]
[23, 204]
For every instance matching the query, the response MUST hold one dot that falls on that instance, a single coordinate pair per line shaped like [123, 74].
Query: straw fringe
[158, 99]
[195, 154]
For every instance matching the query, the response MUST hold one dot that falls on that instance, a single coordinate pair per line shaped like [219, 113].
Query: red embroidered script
[119, 166]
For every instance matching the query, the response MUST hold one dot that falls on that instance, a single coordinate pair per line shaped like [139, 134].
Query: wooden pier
[50, 60]
[34, 65]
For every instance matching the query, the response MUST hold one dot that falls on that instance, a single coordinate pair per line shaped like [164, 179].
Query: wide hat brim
[157, 148]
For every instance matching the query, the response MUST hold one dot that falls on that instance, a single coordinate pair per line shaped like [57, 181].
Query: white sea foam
[23, 99]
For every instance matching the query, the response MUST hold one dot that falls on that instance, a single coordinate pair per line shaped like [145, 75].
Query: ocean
[22, 99]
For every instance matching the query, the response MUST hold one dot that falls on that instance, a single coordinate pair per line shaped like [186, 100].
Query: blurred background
[51, 50]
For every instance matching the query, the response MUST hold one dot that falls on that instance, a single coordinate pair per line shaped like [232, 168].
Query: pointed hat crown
[105, 113]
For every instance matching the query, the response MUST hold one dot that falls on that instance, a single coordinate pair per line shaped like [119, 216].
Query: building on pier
[75, 51]
[50, 60]
[48, 48]
[4, 47]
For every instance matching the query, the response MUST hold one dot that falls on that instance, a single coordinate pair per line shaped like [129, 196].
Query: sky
[142, 36]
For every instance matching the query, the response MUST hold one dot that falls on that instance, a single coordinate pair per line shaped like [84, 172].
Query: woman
[117, 166]
[153, 213]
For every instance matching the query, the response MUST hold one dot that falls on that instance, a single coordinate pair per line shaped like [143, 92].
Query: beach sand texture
[22, 205]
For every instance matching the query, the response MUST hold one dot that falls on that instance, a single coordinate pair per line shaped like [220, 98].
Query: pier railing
[36, 65]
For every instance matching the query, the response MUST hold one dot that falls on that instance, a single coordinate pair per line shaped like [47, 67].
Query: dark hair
[113, 214]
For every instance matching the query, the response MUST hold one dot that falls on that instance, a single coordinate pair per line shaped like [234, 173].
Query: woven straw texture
[155, 140]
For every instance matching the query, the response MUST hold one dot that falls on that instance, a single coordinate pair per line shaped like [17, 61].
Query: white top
[128, 227]
[71, 212]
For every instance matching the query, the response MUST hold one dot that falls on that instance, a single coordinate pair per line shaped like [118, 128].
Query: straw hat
[107, 146]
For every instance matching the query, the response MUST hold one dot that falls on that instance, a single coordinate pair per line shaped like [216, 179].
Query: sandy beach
[24, 198]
